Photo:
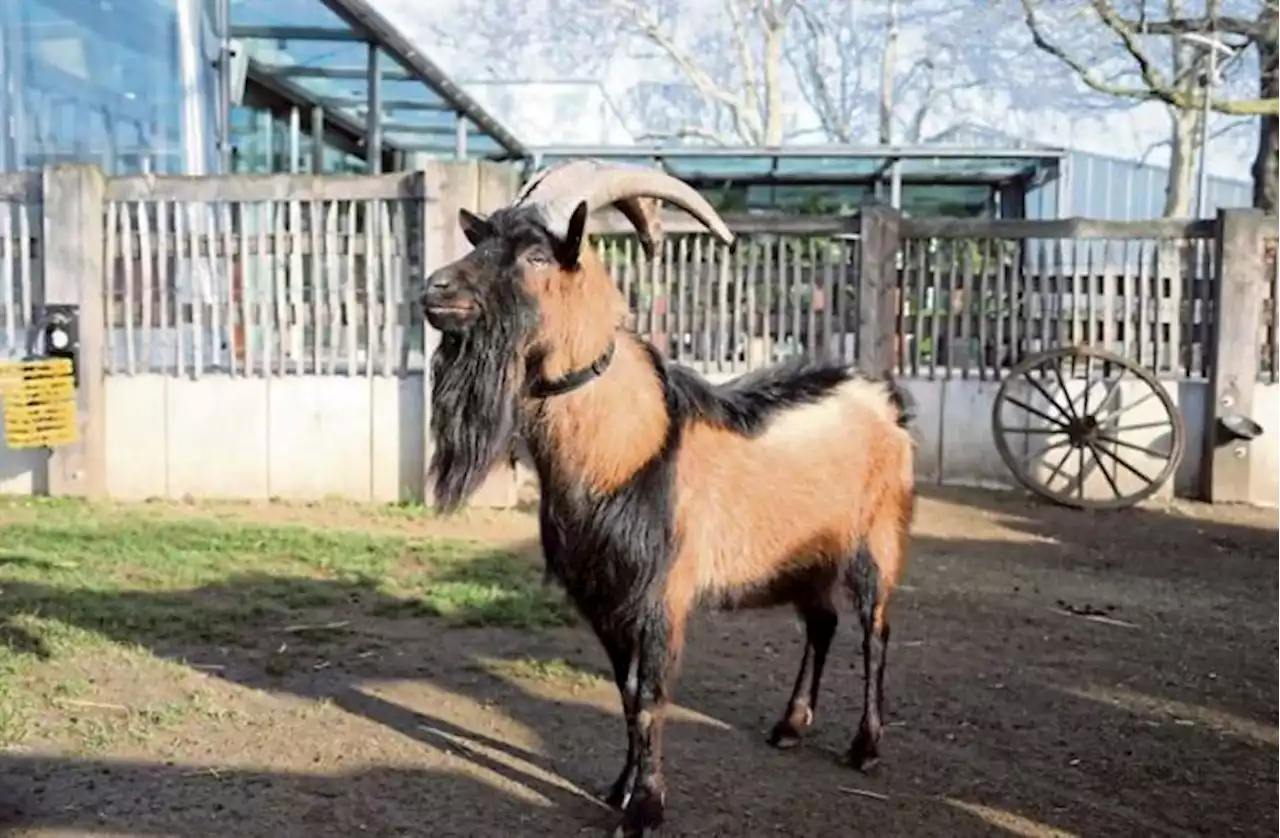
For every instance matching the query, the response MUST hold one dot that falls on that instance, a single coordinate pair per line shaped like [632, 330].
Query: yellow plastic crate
[39, 399]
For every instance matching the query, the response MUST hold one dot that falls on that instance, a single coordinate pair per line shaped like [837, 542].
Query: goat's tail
[902, 401]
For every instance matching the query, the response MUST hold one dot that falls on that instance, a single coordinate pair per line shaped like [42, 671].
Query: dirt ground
[1051, 673]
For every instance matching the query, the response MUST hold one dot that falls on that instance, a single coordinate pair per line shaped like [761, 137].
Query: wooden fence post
[1238, 289]
[72, 238]
[877, 288]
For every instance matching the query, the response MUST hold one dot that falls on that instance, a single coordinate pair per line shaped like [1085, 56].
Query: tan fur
[807, 491]
[620, 421]
[581, 312]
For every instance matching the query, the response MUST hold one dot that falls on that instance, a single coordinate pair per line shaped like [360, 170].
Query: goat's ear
[569, 249]
[475, 227]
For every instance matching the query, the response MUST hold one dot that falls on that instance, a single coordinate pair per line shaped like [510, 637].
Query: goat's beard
[477, 376]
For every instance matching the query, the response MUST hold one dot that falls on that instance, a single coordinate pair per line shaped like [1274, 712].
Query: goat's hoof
[616, 796]
[788, 732]
[643, 816]
[864, 753]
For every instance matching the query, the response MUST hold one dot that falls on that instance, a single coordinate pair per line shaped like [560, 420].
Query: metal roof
[322, 49]
[828, 163]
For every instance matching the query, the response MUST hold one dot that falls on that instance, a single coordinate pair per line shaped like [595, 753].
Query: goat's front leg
[658, 655]
[621, 651]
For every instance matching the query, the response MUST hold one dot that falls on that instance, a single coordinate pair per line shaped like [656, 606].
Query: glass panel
[284, 13]
[951, 201]
[102, 81]
[853, 166]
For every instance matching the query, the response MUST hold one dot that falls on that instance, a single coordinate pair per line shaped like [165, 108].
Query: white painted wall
[361, 438]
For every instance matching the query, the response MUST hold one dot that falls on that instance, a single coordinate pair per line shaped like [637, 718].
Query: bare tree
[1151, 59]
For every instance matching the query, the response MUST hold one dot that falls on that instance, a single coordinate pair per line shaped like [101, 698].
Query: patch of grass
[97, 727]
[543, 669]
[491, 589]
[73, 575]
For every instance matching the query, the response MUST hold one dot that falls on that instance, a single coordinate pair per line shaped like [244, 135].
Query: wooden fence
[970, 298]
[247, 274]
[274, 275]
[288, 275]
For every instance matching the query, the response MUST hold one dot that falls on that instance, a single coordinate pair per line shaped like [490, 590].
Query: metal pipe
[1063, 190]
[460, 137]
[317, 139]
[296, 33]
[295, 140]
[224, 85]
[871, 152]
[268, 142]
[373, 117]
[194, 137]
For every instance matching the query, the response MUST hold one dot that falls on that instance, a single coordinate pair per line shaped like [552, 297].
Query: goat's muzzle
[446, 303]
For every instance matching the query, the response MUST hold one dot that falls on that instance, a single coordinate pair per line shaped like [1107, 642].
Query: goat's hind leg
[871, 580]
[820, 623]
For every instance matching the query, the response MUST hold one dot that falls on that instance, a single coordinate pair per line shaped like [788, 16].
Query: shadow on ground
[1052, 673]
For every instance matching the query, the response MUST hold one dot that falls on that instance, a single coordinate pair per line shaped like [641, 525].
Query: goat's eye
[537, 259]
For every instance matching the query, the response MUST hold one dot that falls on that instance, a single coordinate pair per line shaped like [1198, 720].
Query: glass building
[208, 86]
[129, 84]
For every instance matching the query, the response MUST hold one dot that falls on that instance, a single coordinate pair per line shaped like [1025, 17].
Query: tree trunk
[1264, 164]
[888, 73]
[1180, 188]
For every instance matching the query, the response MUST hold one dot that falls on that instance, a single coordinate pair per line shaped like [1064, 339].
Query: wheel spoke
[1033, 431]
[1027, 458]
[1058, 468]
[1057, 372]
[1066, 414]
[1080, 475]
[1111, 389]
[1128, 407]
[1084, 400]
[1150, 452]
[1111, 481]
[1142, 426]
[1122, 461]
[1058, 423]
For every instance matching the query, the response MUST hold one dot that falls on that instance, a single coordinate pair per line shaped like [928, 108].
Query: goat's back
[807, 488]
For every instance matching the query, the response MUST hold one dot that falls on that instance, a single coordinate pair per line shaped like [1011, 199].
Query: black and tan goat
[660, 491]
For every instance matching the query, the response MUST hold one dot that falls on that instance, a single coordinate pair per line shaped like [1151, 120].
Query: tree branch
[817, 93]
[747, 122]
[1155, 86]
[1088, 75]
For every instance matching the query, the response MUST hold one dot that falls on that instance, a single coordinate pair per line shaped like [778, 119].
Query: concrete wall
[362, 438]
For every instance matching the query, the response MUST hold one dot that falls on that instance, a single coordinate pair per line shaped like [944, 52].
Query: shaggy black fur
[477, 374]
[746, 404]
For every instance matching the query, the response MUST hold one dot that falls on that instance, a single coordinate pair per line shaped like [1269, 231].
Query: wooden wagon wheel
[1083, 421]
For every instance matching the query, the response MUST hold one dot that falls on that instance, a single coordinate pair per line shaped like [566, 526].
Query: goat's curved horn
[559, 189]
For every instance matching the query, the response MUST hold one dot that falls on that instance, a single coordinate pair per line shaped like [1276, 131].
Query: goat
[659, 491]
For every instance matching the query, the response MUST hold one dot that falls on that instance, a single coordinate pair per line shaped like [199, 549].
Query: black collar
[540, 388]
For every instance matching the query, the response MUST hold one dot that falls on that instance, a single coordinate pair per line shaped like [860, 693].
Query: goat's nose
[438, 282]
